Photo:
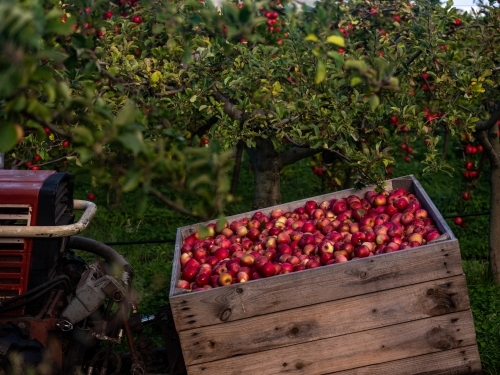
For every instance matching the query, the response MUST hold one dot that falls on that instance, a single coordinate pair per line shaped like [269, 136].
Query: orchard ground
[152, 262]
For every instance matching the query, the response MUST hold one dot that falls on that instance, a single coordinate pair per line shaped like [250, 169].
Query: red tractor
[58, 313]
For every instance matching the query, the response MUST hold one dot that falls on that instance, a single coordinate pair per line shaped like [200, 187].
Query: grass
[152, 262]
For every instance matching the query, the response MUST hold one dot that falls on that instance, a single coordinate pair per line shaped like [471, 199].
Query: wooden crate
[405, 312]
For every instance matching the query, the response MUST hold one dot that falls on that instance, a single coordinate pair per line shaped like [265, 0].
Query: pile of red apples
[311, 236]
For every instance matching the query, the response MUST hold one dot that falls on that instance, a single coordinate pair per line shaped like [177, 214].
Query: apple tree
[61, 104]
[131, 90]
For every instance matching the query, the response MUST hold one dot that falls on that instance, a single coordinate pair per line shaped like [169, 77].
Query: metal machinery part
[59, 314]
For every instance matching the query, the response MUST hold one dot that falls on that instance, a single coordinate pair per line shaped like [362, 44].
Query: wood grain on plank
[449, 362]
[318, 285]
[392, 343]
[329, 319]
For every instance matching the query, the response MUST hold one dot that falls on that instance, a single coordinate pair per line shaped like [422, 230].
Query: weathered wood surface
[325, 320]
[176, 263]
[449, 362]
[318, 285]
[366, 348]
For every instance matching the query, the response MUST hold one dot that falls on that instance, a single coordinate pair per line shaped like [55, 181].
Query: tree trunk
[495, 225]
[494, 245]
[237, 167]
[267, 166]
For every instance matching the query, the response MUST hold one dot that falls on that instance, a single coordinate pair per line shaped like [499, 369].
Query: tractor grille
[15, 253]
[29, 198]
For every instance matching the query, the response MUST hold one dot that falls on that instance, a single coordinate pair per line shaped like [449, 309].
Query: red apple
[326, 246]
[401, 203]
[339, 207]
[431, 236]
[242, 277]
[212, 261]
[325, 257]
[294, 260]
[407, 218]
[310, 206]
[222, 253]
[415, 237]
[312, 264]
[205, 268]
[202, 279]
[380, 200]
[189, 273]
[421, 213]
[369, 236]
[260, 261]
[225, 279]
[192, 263]
[341, 259]
[308, 227]
[219, 269]
[183, 284]
[361, 251]
[267, 269]
[283, 238]
[185, 257]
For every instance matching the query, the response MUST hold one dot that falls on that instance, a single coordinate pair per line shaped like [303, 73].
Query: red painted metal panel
[18, 187]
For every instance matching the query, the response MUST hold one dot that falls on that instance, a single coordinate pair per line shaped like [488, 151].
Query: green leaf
[337, 57]
[486, 73]
[374, 102]
[193, 98]
[203, 231]
[320, 72]
[356, 81]
[155, 77]
[8, 137]
[337, 40]
[221, 223]
[132, 141]
[132, 180]
[356, 64]
[126, 114]
[312, 38]
[245, 14]
[157, 29]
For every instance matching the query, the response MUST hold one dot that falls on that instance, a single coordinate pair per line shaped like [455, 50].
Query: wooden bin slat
[365, 348]
[454, 361]
[309, 287]
[325, 320]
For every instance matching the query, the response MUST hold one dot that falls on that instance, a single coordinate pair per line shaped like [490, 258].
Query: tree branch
[170, 92]
[52, 127]
[57, 160]
[488, 149]
[229, 108]
[485, 125]
[295, 154]
[175, 206]
[206, 126]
